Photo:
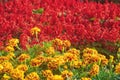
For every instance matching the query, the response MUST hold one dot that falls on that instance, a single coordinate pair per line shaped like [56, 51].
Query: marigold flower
[32, 76]
[76, 64]
[85, 78]
[50, 51]
[35, 30]
[22, 67]
[7, 67]
[70, 57]
[3, 58]
[13, 42]
[53, 64]
[117, 68]
[47, 73]
[9, 49]
[66, 74]
[35, 62]
[55, 77]
[17, 74]
[66, 44]
[74, 51]
[94, 70]
[23, 57]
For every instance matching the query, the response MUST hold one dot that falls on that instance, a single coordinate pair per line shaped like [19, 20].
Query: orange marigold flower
[9, 49]
[13, 42]
[7, 67]
[32, 76]
[94, 70]
[22, 67]
[65, 74]
[47, 73]
[50, 51]
[35, 62]
[17, 74]
[23, 57]
[35, 30]
[3, 58]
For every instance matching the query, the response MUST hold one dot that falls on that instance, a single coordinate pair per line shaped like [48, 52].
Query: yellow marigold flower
[32, 76]
[17, 74]
[94, 70]
[5, 77]
[57, 42]
[56, 77]
[22, 67]
[66, 44]
[35, 62]
[47, 73]
[23, 57]
[9, 49]
[3, 58]
[117, 68]
[76, 64]
[35, 30]
[85, 78]
[13, 42]
[7, 67]
[104, 61]
[74, 51]
[70, 57]
[59, 59]
[90, 51]
[53, 64]
[50, 50]
[65, 74]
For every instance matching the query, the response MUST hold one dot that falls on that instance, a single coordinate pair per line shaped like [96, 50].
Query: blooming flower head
[50, 51]
[10, 55]
[35, 30]
[74, 51]
[56, 77]
[66, 44]
[85, 78]
[13, 42]
[66, 74]
[22, 67]
[47, 73]
[32, 76]
[117, 68]
[23, 57]
[94, 70]
[17, 74]
[7, 67]
[35, 62]
[9, 49]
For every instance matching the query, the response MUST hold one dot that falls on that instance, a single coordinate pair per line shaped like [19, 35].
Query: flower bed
[59, 40]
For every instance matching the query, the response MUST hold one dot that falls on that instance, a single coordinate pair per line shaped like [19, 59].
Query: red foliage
[67, 19]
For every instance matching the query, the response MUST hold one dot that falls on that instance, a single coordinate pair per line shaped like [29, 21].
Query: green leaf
[39, 11]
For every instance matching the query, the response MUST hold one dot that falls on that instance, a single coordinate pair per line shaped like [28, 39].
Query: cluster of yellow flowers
[51, 64]
[92, 56]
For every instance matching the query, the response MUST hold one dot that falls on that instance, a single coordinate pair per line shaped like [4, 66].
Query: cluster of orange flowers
[58, 55]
